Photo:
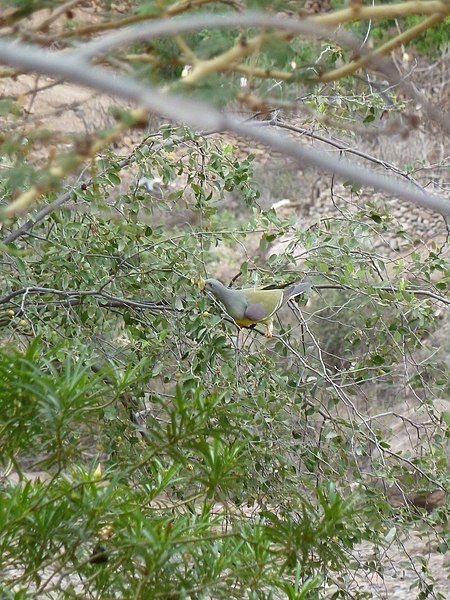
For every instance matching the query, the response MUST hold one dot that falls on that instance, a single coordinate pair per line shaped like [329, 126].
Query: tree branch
[201, 116]
[175, 9]
[43, 25]
[67, 163]
[341, 146]
[191, 24]
[65, 197]
[310, 27]
[224, 61]
[390, 289]
[402, 38]
[78, 295]
[368, 13]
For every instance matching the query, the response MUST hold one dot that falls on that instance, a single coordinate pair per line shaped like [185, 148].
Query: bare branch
[341, 146]
[78, 295]
[391, 289]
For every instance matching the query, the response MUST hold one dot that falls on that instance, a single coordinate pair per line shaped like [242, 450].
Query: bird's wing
[262, 304]
[255, 312]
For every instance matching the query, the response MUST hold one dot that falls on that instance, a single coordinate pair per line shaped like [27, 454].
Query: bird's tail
[296, 290]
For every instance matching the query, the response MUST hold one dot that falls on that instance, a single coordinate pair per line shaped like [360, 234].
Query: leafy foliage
[223, 467]
[148, 449]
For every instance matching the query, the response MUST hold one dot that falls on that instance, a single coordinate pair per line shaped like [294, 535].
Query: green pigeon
[249, 306]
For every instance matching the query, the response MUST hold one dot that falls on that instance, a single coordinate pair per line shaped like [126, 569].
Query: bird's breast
[247, 322]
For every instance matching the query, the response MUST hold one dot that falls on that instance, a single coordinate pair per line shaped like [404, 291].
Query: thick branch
[198, 115]
[30, 223]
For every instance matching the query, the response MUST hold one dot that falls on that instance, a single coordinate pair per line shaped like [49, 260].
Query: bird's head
[213, 286]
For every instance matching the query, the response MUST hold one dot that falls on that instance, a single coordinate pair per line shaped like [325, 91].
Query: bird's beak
[201, 284]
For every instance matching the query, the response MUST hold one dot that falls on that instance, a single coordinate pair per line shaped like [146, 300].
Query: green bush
[176, 458]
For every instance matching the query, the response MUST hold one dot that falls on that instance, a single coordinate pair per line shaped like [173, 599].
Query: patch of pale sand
[64, 107]
[402, 569]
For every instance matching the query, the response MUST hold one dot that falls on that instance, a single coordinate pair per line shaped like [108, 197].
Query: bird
[249, 306]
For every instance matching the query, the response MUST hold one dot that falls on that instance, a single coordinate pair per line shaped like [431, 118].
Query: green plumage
[249, 306]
